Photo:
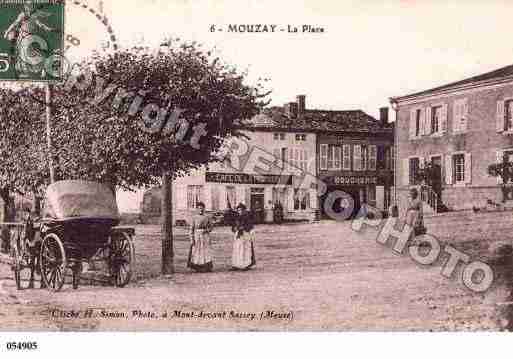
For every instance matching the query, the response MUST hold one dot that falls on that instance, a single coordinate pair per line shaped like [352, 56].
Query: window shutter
[324, 157]
[464, 115]
[373, 157]
[412, 124]
[448, 169]
[406, 171]
[357, 158]
[443, 119]
[347, 158]
[500, 159]
[501, 118]
[468, 168]
[423, 124]
[456, 117]
[427, 121]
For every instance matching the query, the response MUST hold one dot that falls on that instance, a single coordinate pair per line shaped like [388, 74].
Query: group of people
[200, 253]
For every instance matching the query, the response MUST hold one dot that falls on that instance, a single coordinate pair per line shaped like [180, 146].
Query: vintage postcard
[175, 165]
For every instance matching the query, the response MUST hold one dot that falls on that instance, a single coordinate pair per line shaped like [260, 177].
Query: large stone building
[347, 148]
[462, 128]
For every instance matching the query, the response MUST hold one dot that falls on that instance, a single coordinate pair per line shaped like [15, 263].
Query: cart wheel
[53, 262]
[77, 271]
[122, 259]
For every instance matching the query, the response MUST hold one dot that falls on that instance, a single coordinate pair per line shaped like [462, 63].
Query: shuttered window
[346, 162]
[373, 155]
[357, 157]
[324, 157]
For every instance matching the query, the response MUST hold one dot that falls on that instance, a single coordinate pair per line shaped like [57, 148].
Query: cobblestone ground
[325, 274]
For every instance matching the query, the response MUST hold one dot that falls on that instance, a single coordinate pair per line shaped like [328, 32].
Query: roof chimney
[301, 104]
[291, 109]
[383, 116]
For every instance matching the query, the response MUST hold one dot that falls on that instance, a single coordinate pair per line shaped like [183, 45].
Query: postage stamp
[32, 37]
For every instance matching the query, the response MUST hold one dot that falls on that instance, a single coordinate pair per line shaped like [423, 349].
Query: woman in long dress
[200, 256]
[414, 216]
[243, 255]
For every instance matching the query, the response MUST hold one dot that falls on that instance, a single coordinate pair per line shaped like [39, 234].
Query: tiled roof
[317, 121]
[495, 74]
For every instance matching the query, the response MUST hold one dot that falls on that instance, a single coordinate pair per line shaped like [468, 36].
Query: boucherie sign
[353, 180]
[246, 178]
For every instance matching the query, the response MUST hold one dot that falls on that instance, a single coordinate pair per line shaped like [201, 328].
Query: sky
[369, 51]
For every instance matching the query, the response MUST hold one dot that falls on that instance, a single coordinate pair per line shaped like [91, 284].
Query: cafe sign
[246, 178]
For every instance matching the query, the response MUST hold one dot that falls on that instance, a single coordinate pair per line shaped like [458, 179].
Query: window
[373, 157]
[300, 137]
[303, 159]
[414, 169]
[388, 158]
[215, 198]
[459, 168]
[346, 160]
[280, 156]
[280, 196]
[330, 157]
[436, 115]
[357, 158]
[365, 157]
[231, 197]
[194, 196]
[324, 157]
[508, 107]
[279, 136]
[418, 123]
[301, 199]
[460, 111]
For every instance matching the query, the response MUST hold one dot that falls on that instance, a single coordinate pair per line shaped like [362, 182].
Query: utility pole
[48, 102]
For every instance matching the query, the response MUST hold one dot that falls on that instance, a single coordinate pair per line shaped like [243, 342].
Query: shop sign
[246, 178]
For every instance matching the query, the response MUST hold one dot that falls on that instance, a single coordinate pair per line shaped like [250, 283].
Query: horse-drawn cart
[79, 224]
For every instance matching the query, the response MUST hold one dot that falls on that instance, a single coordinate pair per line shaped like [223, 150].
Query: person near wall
[200, 253]
[243, 255]
[414, 216]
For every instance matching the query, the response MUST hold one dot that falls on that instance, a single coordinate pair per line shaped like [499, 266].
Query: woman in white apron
[243, 255]
[200, 256]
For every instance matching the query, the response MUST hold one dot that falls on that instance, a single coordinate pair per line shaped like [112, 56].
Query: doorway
[436, 184]
[257, 204]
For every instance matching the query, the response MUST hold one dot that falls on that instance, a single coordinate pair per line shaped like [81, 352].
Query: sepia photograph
[255, 166]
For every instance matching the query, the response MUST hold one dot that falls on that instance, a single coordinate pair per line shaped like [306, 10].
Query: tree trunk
[167, 225]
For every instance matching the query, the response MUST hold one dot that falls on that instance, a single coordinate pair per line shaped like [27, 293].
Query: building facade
[358, 163]
[287, 151]
[459, 129]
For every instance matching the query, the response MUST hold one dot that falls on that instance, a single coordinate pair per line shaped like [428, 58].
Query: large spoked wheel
[122, 259]
[53, 262]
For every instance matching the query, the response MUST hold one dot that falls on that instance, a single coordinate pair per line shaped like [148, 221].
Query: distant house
[462, 128]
